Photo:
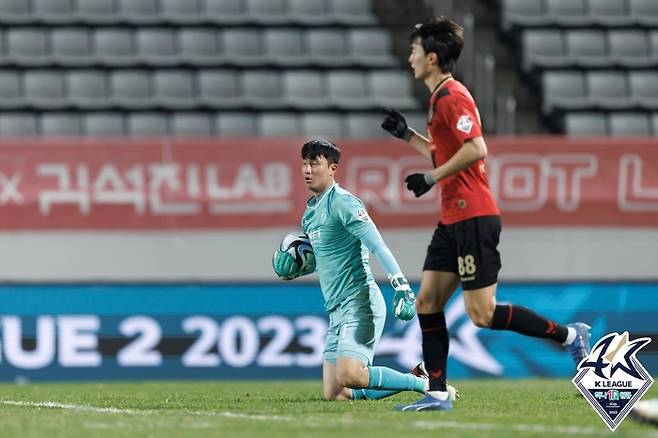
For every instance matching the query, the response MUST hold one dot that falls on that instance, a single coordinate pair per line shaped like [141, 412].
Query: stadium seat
[653, 39]
[629, 124]
[567, 12]
[310, 12]
[371, 47]
[348, 90]
[157, 46]
[327, 47]
[175, 89]
[131, 88]
[629, 48]
[587, 48]
[191, 124]
[179, 12]
[608, 90]
[220, 88]
[543, 49]
[225, 12]
[644, 12]
[198, 46]
[97, 11]
[271, 12]
[45, 88]
[417, 121]
[609, 13]
[585, 124]
[28, 46]
[87, 88]
[103, 124]
[11, 94]
[392, 89]
[522, 13]
[644, 89]
[139, 11]
[238, 124]
[279, 125]
[353, 12]
[60, 124]
[114, 46]
[284, 47]
[304, 89]
[242, 46]
[563, 90]
[14, 12]
[654, 123]
[322, 125]
[53, 11]
[71, 47]
[147, 124]
[262, 89]
[364, 125]
[18, 125]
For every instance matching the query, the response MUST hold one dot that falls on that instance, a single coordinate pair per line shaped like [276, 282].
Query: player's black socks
[435, 348]
[523, 320]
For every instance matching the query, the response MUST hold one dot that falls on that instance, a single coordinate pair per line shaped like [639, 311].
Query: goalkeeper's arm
[404, 300]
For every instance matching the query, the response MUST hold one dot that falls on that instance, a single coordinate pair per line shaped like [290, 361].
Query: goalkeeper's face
[318, 174]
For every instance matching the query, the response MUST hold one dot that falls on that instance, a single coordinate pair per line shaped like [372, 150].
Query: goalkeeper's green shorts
[355, 327]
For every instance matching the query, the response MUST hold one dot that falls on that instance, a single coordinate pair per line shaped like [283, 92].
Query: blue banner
[256, 331]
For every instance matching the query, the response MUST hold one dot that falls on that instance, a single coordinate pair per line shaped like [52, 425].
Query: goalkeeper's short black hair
[443, 37]
[316, 148]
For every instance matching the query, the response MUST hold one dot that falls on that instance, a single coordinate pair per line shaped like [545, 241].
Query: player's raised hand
[284, 265]
[404, 300]
[395, 123]
[419, 183]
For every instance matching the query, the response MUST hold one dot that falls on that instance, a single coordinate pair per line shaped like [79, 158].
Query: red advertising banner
[82, 184]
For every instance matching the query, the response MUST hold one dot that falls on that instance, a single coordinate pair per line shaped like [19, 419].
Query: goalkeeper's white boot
[420, 371]
[579, 348]
[646, 411]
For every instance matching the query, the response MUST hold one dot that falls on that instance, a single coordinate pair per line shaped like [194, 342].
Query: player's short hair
[443, 37]
[316, 148]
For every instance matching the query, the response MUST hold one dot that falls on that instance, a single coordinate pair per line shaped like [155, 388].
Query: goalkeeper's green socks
[373, 394]
[388, 379]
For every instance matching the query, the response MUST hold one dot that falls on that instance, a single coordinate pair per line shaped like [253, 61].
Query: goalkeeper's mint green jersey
[336, 223]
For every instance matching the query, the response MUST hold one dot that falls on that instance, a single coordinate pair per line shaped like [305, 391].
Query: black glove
[419, 183]
[396, 125]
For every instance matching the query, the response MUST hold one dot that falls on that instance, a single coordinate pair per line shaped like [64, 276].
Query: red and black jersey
[453, 119]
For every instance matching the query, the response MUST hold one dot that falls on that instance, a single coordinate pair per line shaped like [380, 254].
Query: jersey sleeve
[461, 116]
[352, 213]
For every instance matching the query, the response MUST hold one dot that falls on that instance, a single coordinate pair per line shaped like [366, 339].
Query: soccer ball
[299, 246]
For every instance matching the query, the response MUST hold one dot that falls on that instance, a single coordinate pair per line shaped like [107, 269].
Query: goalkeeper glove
[284, 265]
[396, 125]
[404, 300]
[420, 183]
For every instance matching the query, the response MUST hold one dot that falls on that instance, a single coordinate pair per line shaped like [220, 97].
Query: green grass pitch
[487, 408]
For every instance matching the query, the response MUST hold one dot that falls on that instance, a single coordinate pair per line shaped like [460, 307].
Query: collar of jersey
[313, 202]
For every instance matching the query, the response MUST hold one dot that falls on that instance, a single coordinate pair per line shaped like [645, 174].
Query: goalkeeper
[342, 235]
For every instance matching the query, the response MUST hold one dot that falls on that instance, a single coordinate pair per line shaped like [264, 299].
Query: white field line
[320, 422]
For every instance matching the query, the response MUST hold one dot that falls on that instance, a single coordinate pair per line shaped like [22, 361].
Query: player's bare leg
[436, 288]
[484, 312]
[332, 390]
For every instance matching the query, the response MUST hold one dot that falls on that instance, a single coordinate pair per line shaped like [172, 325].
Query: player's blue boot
[579, 348]
[427, 403]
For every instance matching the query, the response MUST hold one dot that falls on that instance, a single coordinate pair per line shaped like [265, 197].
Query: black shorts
[467, 248]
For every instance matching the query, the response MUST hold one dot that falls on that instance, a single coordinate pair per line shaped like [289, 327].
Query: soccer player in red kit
[464, 245]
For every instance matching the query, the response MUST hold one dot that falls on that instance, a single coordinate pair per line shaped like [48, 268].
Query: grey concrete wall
[528, 254]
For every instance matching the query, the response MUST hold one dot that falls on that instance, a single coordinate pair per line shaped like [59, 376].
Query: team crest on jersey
[465, 124]
[362, 215]
[612, 379]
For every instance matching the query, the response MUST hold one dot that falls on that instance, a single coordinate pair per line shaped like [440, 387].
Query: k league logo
[612, 379]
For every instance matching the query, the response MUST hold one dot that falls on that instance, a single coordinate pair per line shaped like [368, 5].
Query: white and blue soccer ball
[299, 246]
